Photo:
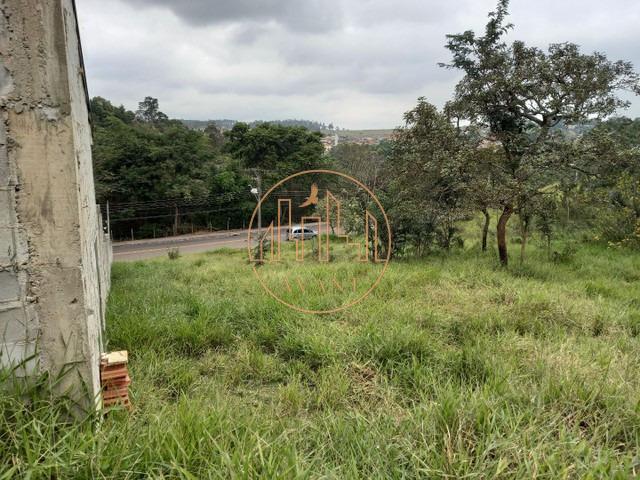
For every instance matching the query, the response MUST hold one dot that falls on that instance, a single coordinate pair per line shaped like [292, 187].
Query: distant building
[489, 143]
[329, 141]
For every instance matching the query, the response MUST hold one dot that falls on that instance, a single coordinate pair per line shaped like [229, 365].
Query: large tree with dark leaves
[426, 180]
[275, 150]
[147, 157]
[520, 92]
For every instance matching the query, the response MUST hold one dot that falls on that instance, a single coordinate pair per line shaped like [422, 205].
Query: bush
[566, 254]
[621, 228]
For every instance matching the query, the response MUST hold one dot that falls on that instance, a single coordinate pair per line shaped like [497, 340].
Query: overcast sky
[356, 63]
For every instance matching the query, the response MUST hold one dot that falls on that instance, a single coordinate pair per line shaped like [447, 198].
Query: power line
[176, 201]
[147, 217]
[172, 202]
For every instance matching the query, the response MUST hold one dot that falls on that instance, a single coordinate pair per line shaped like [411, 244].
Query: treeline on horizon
[228, 124]
[538, 144]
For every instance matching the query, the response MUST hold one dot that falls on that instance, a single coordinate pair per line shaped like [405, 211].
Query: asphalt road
[158, 247]
[141, 249]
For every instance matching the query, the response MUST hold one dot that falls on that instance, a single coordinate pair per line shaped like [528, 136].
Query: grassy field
[355, 134]
[452, 368]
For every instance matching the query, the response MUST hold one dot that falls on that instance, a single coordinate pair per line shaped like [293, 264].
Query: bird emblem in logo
[312, 199]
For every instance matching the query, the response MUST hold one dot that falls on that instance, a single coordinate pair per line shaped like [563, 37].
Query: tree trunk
[501, 233]
[523, 245]
[485, 229]
[524, 233]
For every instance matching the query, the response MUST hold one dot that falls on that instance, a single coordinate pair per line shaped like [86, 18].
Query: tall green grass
[452, 368]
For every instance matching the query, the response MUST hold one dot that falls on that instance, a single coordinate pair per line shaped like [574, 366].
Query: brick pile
[114, 378]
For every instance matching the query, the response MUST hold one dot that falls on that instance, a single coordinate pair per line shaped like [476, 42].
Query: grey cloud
[295, 15]
[249, 34]
[358, 63]
[368, 13]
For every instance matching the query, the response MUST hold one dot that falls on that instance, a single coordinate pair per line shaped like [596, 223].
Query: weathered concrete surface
[54, 257]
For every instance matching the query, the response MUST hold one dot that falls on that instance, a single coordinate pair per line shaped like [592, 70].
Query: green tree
[102, 109]
[606, 165]
[216, 136]
[276, 150]
[149, 111]
[624, 131]
[363, 162]
[427, 177]
[519, 93]
[482, 173]
[155, 162]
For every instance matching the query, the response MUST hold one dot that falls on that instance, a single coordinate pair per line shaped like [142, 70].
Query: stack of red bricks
[114, 378]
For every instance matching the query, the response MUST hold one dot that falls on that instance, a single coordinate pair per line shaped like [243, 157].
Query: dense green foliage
[426, 180]
[277, 151]
[160, 176]
[434, 176]
[147, 159]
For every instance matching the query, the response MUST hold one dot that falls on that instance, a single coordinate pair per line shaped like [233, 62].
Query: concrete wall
[54, 256]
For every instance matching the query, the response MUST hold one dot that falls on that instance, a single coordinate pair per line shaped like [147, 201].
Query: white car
[299, 233]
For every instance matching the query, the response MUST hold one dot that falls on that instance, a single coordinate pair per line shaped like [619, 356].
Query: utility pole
[259, 180]
[175, 223]
[257, 192]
